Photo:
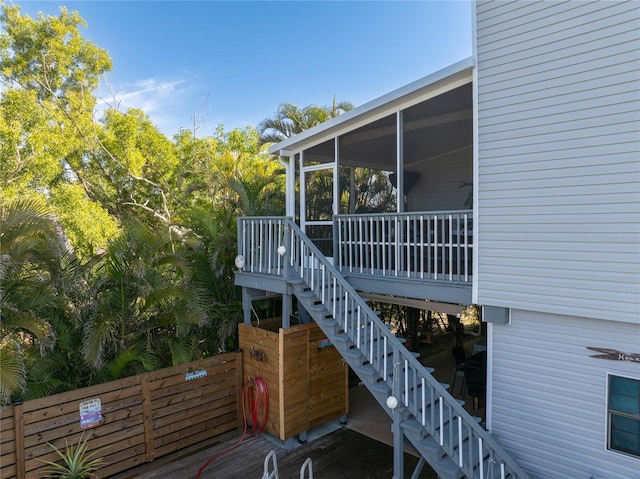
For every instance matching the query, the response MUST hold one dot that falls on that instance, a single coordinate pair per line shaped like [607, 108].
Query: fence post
[18, 419]
[147, 418]
[239, 386]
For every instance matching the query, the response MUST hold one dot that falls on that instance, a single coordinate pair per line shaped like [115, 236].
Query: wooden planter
[305, 375]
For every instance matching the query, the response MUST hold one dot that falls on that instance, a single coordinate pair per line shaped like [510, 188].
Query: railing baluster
[371, 245]
[421, 246]
[450, 247]
[371, 342]
[360, 260]
[441, 412]
[460, 463]
[384, 247]
[406, 382]
[424, 401]
[480, 458]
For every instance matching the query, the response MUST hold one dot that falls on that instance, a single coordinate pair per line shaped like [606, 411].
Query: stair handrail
[299, 257]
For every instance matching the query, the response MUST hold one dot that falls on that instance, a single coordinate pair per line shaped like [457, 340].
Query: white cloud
[162, 100]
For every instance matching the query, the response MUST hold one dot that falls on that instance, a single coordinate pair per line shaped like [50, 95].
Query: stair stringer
[379, 388]
[444, 433]
[448, 464]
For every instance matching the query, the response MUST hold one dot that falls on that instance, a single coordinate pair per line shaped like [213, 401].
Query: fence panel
[136, 419]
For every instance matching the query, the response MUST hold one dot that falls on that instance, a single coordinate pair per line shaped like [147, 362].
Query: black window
[624, 415]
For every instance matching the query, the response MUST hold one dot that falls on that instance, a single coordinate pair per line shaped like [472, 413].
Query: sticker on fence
[90, 413]
[191, 375]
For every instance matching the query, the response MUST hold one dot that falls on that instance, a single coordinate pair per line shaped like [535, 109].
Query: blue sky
[238, 60]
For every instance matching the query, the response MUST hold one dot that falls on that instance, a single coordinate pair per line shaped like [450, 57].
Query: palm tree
[143, 294]
[30, 254]
[291, 120]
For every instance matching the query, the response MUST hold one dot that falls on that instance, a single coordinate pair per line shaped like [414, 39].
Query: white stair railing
[286, 251]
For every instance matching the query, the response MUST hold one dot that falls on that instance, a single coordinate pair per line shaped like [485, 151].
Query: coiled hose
[255, 411]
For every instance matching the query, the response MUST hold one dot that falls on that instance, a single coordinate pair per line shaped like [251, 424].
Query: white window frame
[609, 413]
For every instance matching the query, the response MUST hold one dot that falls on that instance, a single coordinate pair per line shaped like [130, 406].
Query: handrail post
[398, 438]
[337, 251]
[286, 267]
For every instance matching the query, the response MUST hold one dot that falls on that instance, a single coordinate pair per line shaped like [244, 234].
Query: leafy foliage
[290, 120]
[117, 243]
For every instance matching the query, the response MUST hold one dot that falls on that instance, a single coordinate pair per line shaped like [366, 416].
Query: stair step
[381, 387]
[354, 353]
[366, 370]
[342, 338]
[306, 294]
[447, 468]
[317, 307]
[327, 321]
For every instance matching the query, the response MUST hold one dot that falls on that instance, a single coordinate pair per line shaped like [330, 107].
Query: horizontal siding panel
[564, 121]
[555, 250]
[578, 101]
[548, 395]
[566, 162]
[529, 16]
[491, 13]
[575, 186]
[583, 154]
[514, 149]
[588, 293]
[563, 68]
[525, 198]
[547, 85]
[592, 33]
[586, 281]
[597, 137]
[600, 306]
[537, 220]
[625, 123]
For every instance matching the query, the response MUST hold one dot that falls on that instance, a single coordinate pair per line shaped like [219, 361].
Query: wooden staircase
[448, 438]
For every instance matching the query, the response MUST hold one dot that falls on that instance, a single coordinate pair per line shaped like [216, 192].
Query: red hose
[255, 395]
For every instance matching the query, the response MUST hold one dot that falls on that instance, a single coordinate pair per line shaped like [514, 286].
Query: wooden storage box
[305, 375]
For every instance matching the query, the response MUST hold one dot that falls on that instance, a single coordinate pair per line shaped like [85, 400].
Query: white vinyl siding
[549, 394]
[559, 157]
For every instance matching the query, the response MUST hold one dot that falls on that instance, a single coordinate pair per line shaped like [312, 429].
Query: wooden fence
[132, 420]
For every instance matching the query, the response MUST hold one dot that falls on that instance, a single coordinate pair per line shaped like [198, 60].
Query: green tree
[142, 294]
[290, 120]
[48, 72]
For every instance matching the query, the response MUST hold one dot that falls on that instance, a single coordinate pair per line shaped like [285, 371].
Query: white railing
[277, 246]
[427, 245]
[258, 241]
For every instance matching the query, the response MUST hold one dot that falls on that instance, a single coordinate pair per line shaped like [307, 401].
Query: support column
[246, 306]
[287, 309]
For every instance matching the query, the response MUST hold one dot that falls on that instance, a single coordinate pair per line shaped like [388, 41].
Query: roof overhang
[442, 81]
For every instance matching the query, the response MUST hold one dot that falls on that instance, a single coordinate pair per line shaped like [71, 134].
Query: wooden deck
[343, 453]
[360, 450]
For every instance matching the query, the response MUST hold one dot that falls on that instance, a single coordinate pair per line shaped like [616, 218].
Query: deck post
[246, 305]
[287, 310]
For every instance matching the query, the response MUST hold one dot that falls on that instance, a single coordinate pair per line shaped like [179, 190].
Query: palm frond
[12, 370]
